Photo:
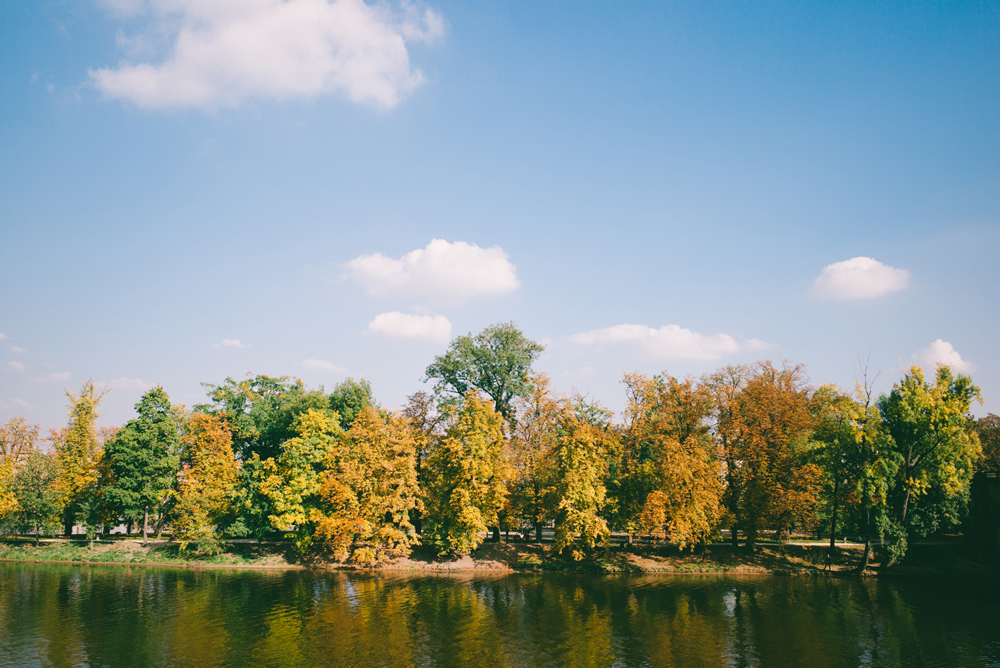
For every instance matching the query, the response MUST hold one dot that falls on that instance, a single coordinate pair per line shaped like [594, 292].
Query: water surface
[55, 615]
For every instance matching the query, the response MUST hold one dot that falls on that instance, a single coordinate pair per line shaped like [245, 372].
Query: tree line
[752, 448]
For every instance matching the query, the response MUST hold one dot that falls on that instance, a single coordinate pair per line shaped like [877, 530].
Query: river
[59, 615]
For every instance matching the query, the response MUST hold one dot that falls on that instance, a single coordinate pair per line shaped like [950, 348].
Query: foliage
[38, 499]
[467, 476]
[497, 362]
[532, 442]
[369, 488]
[682, 473]
[578, 469]
[17, 440]
[77, 450]
[937, 448]
[351, 397]
[207, 483]
[988, 429]
[143, 459]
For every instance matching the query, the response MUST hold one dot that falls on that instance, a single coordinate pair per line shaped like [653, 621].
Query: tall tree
[497, 362]
[767, 431]
[77, 449]
[988, 429]
[207, 482]
[18, 439]
[467, 476]
[144, 458]
[579, 467]
[349, 398]
[369, 489]
[535, 433]
[36, 492]
[934, 437]
[683, 503]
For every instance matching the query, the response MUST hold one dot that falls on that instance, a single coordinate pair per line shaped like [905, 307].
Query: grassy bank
[768, 559]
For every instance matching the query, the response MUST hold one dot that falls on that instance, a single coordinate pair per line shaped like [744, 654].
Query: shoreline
[794, 560]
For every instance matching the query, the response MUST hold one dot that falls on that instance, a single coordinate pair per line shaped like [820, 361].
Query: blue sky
[195, 190]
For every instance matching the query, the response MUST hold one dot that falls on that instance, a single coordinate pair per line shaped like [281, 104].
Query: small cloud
[15, 404]
[2, 337]
[231, 343]
[859, 278]
[15, 367]
[398, 325]
[322, 365]
[17, 349]
[442, 272]
[667, 342]
[60, 377]
[941, 352]
[124, 383]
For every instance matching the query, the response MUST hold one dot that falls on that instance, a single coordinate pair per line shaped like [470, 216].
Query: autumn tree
[766, 431]
[681, 474]
[18, 439]
[466, 476]
[579, 466]
[532, 442]
[207, 482]
[369, 489]
[144, 458]
[937, 446]
[496, 362]
[351, 397]
[426, 424]
[77, 450]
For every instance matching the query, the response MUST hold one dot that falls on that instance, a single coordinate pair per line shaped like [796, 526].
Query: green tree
[36, 492]
[934, 438]
[497, 362]
[143, 460]
[988, 429]
[78, 450]
[533, 440]
[467, 475]
[17, 440]
[349, 398]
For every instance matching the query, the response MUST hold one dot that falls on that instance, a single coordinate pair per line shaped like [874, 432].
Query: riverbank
[767, 559]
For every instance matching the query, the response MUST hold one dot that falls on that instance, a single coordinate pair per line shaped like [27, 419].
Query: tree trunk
[868, 542]
[38, 532]
[833, 520]
[735, 537]
[145, 525]
[496, 534]
[538, 532]
[69, 519]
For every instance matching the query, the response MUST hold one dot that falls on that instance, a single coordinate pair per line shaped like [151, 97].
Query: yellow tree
[77, 449]
[369, 489]
[467, 476]
[671, 419]
[579, 467]
[17, 440]
[207, 481]
[533, 439]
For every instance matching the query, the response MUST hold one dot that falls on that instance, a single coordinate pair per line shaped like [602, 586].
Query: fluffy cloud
[668, 342]
[231, 343]
[859, 278]
[322, 365]
[2, 337]
[60, 377]
[15, 404]
[17, 349]
[398, 325]
[225, 52]
[441, 272]
[15, 367]
[941, 352]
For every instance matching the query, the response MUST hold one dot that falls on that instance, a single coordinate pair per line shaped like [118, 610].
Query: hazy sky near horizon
[196, 189]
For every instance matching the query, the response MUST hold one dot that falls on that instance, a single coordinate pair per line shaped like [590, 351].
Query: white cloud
[668, 342]
[859, 278]
[398, 325]
[322, 365]
[13, 404]
[944, 353]
[60, 377]
[231, 343]
[17, 349]
[224, 52]
[124, 383]
[442, 272]
[15, 367]
[2, 337]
